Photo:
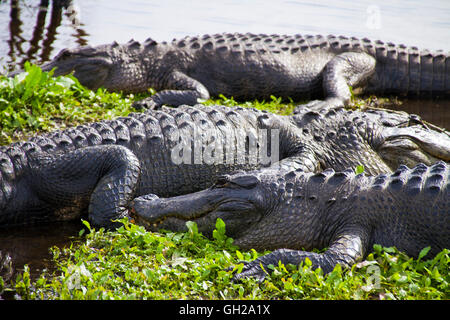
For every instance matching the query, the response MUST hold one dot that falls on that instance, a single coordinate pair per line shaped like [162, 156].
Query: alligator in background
[295, 212]
[99, 168]
[256, 66]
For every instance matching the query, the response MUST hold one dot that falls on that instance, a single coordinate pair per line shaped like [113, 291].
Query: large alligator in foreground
[296, 212]
[249, 66]
[99, 168]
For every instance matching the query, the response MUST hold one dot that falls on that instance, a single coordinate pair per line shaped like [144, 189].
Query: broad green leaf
[239, 255]
[359, 169]
[192, 227]
[423, 252]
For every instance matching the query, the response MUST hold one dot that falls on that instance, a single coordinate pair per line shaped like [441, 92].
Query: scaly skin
[249, 66]
[99, 168]
[295, 212]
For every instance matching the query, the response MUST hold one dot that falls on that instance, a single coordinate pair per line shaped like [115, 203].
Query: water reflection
[40, 44]
[47, 26]
[433, 111]
[30, 245]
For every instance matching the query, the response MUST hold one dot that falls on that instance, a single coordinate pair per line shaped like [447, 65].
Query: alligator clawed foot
[146, 104]
[253, 269]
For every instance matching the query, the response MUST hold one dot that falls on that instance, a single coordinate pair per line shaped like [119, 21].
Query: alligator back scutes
[215, 117]
[130, 131]
[275, 43]
[7, 176]
[14, 159]
[419, 180]
[328, 177]
[252, 43]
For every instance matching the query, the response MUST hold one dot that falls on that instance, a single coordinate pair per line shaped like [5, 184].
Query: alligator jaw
[154, 210]
[91, 72]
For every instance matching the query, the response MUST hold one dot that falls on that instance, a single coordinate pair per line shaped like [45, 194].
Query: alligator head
[240, 200]
[88, 64]
[113, 66]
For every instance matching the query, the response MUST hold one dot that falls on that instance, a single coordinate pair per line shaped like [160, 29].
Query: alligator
[257, 66]
[98, 168]
[342, 212]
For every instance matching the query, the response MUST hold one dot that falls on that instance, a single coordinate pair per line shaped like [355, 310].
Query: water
[31, 245]
[36, 30]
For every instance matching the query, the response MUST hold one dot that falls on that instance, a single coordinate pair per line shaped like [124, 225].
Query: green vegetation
[359, 169]
[36, 101]
[132, 263]
[274, 106]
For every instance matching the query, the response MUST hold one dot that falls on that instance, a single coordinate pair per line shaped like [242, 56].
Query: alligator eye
[64, 54]
[247, 181]
[222, 181]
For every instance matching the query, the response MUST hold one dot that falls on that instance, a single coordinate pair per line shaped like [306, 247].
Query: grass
[275, 105]
[131, 263]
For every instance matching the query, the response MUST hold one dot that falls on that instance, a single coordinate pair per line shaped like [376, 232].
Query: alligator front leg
[101, 178]
[184, 90]
[349, 69]
[346, 250]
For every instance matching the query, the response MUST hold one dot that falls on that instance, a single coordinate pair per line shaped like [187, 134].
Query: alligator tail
[408, 71]
[400, 69]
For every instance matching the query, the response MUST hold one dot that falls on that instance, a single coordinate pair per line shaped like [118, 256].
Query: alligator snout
[232, 200]
[159, 213]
